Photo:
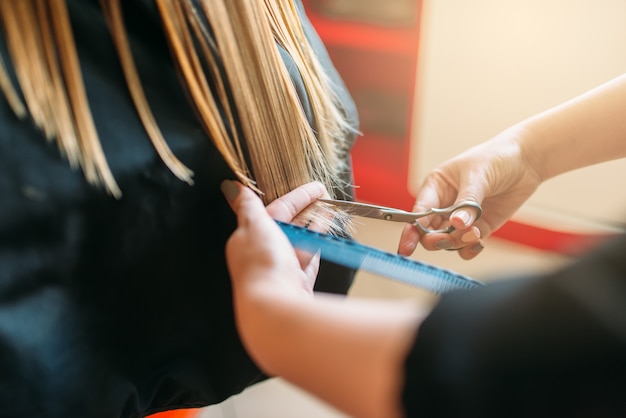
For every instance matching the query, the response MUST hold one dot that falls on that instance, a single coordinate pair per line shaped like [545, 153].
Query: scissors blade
[373, 211]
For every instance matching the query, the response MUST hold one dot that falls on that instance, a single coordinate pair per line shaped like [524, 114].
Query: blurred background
[434, 77]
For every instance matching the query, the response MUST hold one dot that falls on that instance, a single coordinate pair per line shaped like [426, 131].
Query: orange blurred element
[178, 413]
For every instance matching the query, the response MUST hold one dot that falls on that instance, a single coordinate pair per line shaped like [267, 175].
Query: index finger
[246, 204]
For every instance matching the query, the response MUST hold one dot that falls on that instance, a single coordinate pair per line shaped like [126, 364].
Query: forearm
[587, 130]
[348, 352]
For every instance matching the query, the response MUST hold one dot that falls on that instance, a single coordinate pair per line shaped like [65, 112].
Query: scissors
[396, 215]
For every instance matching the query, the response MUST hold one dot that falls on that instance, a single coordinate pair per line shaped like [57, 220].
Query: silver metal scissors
[396, 215]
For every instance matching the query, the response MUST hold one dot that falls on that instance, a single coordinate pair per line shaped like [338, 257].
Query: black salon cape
[120, 308]
[552, 346]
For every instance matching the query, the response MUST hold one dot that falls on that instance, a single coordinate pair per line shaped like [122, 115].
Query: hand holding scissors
[445, 236]
[445, 242]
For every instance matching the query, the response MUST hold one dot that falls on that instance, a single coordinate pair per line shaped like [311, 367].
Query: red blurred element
[378, 173]
[374, 46]
[553, 240]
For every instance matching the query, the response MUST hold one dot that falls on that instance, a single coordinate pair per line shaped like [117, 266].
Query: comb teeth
[417, 274]
[352, 254]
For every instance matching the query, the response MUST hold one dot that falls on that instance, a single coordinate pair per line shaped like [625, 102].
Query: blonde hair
[236, 54]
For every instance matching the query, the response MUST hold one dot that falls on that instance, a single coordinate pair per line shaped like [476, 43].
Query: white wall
[486, 64]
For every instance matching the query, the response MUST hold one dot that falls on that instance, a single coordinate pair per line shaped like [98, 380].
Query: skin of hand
[494, 174]
[502, 173]
[258, 252]
[348, 352]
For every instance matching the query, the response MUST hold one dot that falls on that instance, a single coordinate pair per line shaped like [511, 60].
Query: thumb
[467, 215]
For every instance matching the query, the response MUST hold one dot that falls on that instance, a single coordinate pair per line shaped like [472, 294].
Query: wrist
[531, 149]
[266, 318]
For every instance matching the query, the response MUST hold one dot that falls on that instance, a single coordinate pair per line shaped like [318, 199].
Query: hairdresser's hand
[268, 276]
[258, 253]
[494, 174]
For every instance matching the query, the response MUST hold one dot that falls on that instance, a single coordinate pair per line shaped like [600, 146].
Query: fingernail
[478, 247]
[471, 235]
[230, 189]
[443, 244]
[464, 216]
